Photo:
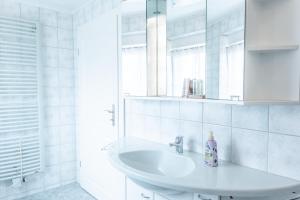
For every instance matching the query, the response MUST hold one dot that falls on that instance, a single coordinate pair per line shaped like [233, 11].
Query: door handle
[144, 196]
[113, 114]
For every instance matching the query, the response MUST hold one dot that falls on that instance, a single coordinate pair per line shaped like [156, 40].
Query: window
[134, 66]
[231, 71]
[186, 63]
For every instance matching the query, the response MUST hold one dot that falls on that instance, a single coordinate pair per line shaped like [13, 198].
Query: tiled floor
[68, 192]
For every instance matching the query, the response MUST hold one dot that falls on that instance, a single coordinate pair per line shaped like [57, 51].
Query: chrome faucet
[178, 144]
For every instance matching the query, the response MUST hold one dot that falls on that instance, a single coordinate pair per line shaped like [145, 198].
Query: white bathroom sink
[158, 162]
[158, 168]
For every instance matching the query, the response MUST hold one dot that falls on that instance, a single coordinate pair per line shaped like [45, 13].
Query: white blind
[20, 140]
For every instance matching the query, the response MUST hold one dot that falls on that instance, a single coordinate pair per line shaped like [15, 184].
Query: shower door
[98, 102]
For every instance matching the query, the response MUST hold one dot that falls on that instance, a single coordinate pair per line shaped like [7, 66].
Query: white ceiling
[68, 6]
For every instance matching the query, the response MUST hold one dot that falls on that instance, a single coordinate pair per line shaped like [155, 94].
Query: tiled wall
[58, 90]
[265, 137]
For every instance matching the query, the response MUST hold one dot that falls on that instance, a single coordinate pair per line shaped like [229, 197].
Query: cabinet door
[183, 196]
[135, 192]
[206, 197]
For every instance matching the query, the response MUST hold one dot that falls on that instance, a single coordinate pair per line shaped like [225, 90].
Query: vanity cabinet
[252, 50]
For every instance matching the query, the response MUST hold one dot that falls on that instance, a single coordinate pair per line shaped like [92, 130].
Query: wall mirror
[134, 61]
[163, 47]
[225, 49]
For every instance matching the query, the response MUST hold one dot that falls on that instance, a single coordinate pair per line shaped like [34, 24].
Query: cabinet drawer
[205, 197]
[136, 192]
[182, 196]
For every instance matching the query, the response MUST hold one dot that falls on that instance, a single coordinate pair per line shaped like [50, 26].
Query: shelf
[181, 99]
[272, 48]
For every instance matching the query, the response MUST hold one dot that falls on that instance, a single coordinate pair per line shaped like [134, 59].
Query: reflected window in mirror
[225, 49]
[186, 33]
[134, 61]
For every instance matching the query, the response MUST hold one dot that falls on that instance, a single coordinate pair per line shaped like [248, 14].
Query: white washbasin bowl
[158, 168]
[158, 162]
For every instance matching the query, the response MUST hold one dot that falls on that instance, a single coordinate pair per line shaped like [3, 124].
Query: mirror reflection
[186, 24]
[134, 48]
[225, 49]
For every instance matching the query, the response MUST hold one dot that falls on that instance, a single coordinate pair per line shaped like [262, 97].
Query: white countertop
[226, 180]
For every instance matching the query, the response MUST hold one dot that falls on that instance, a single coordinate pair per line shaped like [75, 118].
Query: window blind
[20, 121]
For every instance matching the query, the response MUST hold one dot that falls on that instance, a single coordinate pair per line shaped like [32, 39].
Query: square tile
[48, 17]
[49, 36]
[219, 114]
[170, 129]
[66, 58]
[151, 108]
[191, 111]
[249, 148]
[169, 109]
[151, 128]
[10, 8]
[285, 119]
[251, 117]
[65, 38]
[65, 21]
[30, 12]
[284, 157]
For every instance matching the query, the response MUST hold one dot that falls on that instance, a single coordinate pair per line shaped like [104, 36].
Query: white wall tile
[52, 155]
[67, 153]
[49, 36]
[51, 96]
[65, 38]
[219, 114]
[284, 156]
[67, 134]
[170, 128]
[50, 77]
[52, 176]
[68, 172]
[52, 116]
[191, 111]
[151, 108]
[10, 8]
[67, 115]
[251, 117]
[222, 135]
[249, 148]
[151, 128]
[66, 77]
[192, 133]
[65, 21]
[134, 106]
[66, 58]
[134, 125]
[49, 57]
[67, 96]
[30, 12]
[52, 136]
[48, 17]
[170, 109]
[285, 119]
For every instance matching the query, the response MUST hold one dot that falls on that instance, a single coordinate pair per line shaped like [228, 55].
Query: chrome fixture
[178, 144]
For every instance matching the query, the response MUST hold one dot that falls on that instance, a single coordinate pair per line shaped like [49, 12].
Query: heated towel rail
[20, 113]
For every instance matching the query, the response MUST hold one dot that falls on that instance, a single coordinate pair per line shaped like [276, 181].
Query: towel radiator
[20, 113]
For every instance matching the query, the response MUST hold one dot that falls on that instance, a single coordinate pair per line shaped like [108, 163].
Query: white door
[97, 92]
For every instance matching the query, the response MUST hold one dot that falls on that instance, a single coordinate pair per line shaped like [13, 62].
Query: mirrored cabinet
[233, 50]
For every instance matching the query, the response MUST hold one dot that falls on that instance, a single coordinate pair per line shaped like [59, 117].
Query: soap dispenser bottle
[211, 151]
